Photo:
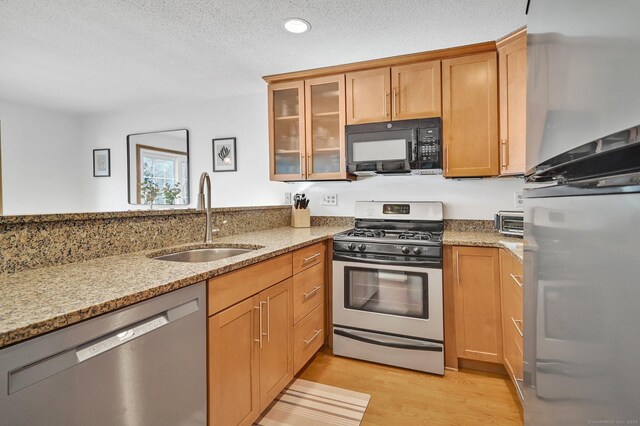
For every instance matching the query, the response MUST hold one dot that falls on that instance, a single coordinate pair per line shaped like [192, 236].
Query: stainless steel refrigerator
[582, 213]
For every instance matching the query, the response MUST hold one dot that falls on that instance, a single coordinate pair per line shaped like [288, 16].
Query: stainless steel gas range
[387, 286]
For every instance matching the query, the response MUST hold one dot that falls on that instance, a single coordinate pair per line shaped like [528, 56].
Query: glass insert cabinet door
[389, 292]
[287, 132]
[325, 121]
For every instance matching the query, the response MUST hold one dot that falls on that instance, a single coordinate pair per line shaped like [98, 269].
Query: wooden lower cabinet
[234, 365]
[276, 354]
[477, 304]
[512, 307]
[248, 370]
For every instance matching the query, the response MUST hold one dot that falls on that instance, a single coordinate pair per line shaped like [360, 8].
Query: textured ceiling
[99, 55]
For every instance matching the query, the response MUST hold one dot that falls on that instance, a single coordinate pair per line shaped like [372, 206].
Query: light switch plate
[287, 198]
[330, 200]
[518, 199]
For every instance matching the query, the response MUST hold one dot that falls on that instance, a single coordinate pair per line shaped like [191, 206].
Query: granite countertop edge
[29, 309]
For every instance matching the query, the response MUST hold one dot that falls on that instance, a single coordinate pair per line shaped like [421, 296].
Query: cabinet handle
[312, 292]
[310, 258]
[303, 169]
[394, 110]
[458, 267]
[309, 171]
[446, 159]
[386, 101]
[316, 334]
[505, 153]
[515, 322]
[259, 308]
[517, 279]
[268, 319]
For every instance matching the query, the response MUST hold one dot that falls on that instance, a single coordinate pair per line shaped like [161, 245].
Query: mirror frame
[188, 187]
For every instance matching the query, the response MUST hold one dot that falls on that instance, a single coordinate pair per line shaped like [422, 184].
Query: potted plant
[170, 193]
[149, 191]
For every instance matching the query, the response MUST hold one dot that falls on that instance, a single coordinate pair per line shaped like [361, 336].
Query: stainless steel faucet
[201, 204]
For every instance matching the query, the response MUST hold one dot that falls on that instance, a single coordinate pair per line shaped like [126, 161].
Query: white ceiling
[100, 55]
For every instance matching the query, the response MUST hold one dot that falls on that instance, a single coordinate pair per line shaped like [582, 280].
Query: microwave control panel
[428, 146]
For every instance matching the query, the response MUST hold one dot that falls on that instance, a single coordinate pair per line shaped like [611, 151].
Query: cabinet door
[512, 303]
[470, 115]
[233, 365]
[416, 90]
[477, 303]
[286, 131]
[368, 96]
[325, 120]
[276, 355]
[512, 60]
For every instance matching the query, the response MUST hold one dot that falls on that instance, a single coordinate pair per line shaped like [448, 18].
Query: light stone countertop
[514, 246]
[38, 301]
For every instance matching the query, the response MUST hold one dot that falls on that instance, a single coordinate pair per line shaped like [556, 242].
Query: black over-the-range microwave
[395, 147]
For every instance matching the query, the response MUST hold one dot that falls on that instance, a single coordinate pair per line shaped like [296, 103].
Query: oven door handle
[337, 256]
[423, 346]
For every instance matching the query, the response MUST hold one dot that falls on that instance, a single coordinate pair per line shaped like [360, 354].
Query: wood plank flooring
[405, 397]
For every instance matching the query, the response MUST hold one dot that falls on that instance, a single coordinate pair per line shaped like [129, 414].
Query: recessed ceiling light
[296, 25]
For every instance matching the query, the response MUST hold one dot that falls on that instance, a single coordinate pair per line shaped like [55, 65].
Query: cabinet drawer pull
[310, 258]
[268, 319]
[515, 322]
[517, 279]
[316, 334]
[312, 292]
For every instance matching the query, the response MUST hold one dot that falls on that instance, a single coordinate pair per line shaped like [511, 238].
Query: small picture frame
[102, 162]
[224, 155]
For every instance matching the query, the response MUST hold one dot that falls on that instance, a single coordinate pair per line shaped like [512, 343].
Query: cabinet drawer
[308, 257]
[308, 291]
[308, 337]
[229, 289]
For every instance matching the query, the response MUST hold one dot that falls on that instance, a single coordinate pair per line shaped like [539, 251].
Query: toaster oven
[510, 223]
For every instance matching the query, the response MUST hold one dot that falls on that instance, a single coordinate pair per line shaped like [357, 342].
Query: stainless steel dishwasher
[141, 365]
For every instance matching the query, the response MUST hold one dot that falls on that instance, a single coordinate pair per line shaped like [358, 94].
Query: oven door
[395, 299]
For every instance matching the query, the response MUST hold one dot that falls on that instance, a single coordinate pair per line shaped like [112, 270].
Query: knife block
[300, 218]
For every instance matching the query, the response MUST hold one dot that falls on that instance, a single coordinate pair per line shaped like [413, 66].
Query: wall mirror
[158, 167]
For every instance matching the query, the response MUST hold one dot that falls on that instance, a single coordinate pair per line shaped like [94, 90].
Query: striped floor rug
[313, 404]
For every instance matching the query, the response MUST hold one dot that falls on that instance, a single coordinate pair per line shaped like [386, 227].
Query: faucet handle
[215, 230]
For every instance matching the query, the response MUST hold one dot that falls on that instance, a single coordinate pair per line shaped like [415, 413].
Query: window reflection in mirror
[158, 164]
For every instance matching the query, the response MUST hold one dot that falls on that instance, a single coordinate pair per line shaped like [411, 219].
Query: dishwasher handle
[37, 371]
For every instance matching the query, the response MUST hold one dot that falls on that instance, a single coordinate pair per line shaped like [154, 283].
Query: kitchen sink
[204, 254]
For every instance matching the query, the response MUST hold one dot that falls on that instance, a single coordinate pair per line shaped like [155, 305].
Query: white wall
[463, 199]
[243, 117]
[41, 158]
[47, 163]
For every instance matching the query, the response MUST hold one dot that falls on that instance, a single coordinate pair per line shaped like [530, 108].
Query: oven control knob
[417, 251]
[406, 250]
[351, 246]
[362, 247]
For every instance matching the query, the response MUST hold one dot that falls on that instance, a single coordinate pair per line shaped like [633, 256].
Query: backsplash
[38, 241]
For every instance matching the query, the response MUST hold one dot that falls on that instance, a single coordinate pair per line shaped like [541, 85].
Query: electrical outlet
[330, 200]
[287, 198]
[518, 199]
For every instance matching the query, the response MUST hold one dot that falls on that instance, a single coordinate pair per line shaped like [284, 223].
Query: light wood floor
[405, 397]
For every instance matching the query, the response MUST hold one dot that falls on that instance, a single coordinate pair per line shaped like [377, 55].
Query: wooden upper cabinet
[476, 273]
[470, 115]
[325, 120]
[416, 91]
[368, 96]
[287, 131]
[512, 78]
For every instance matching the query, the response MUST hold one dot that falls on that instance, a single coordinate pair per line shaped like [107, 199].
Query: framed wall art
[224, 155]
[102, 162]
